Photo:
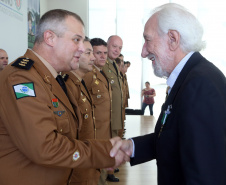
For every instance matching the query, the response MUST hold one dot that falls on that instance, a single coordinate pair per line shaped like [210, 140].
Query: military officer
[100, 90]
[81, 100]
[38, 126]
[114, 45]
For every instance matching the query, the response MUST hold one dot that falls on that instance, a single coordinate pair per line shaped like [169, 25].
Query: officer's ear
[49, 37]
[173, 39]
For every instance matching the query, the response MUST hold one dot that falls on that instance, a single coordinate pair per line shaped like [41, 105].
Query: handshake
[121, 150]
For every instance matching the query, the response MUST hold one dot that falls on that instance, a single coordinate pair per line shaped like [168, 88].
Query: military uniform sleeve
[40, 133]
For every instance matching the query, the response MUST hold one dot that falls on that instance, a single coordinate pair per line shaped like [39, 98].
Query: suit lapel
[193, 60]
[102, 78]
[78, 83]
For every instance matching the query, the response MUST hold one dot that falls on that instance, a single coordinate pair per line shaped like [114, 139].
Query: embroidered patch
[112, 81]
[76, 156]
[24, 90]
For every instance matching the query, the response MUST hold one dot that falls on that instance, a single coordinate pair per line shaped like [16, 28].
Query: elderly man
[189, 139]
[3, 59]
[114, 45]
[38, 126]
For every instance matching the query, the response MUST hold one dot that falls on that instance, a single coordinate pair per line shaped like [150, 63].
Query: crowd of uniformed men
[96, 86]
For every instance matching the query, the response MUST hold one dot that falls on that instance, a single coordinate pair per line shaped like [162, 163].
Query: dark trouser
[144, 105]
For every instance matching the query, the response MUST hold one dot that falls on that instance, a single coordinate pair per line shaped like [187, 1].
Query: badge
[46, 78]
[109, 71]
[94, 76]
[97, 82]
[81, 94]
[98, 96]
[112, 81]
[84, 99]
[55, 102]
[24, 90]
[166, 113]
[59, 113]
[86, 116]
[76, 156]
[164, 117]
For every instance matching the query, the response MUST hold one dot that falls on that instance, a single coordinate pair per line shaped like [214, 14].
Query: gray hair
[172, 16]
[54, 20]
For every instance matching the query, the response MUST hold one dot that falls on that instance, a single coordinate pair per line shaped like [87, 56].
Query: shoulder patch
[24, 90]
[23, 63]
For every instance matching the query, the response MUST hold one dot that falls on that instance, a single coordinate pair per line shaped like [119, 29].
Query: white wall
[80, 7]
[13, 37]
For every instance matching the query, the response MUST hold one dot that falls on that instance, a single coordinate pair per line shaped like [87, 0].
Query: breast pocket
[61, 117]
[99, 94]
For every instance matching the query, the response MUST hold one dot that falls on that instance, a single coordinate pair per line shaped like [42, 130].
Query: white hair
[172, 16]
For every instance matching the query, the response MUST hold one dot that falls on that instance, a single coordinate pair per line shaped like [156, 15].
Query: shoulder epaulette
[65, 77]
[23, 63]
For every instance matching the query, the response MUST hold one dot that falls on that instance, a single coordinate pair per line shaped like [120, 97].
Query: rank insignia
[98, 96]
[84, 99]
[112, 81]
[94, 76]
[76, 156]
[23, 63]
[97, 82]
[86, 116]
[55, 102]
[59, 113]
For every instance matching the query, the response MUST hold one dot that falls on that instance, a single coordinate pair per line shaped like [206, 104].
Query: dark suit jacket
[191, 149]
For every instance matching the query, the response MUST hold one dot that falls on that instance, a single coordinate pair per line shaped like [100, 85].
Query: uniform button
[61, 130]
[98, 90]
[86, 110]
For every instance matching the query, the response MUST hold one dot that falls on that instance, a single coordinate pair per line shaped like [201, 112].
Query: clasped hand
[122, 150]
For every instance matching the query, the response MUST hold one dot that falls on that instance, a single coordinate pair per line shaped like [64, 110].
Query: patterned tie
[60, 80]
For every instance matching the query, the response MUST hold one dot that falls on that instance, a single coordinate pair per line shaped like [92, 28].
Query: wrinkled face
[87, 58]
[100, 53]
[155, 48]
[69, 47]
[3, 59]
[114, 47]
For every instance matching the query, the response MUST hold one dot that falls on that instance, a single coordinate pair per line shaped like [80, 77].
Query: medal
[164, 118]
